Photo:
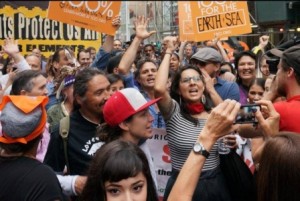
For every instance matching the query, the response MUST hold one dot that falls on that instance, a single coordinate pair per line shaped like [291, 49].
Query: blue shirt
[101, 59]
[227, 90]
[158, 121]
[51, 94]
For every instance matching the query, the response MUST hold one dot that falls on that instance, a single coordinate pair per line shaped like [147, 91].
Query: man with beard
[288, 85]
[209, 60]
[90, 94]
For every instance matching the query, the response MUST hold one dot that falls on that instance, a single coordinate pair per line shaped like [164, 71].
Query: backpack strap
[64, 127]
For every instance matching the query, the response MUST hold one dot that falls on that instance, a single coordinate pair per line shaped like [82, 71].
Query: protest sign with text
[33, 30]
[93, 15]
[219, 19]
[160, 152]
[186, 31]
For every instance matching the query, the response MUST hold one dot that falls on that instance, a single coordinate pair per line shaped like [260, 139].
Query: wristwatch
[199, 149]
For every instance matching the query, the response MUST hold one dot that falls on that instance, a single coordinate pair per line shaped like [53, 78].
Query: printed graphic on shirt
[92, 146]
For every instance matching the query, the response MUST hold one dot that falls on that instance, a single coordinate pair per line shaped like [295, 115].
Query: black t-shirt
[82, 144]
[26, 179]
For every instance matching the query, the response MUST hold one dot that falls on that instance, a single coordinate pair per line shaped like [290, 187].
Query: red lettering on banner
[166, 158]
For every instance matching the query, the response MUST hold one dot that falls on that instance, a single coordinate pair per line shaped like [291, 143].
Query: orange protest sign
[93, 15]
[219, 19]
[33, 30]
[186, 31]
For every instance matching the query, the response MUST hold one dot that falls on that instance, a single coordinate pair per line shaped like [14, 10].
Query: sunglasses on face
[188, 79]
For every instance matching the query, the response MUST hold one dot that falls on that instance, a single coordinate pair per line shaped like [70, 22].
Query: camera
[246, 114]
[273, 63]
[273, 60]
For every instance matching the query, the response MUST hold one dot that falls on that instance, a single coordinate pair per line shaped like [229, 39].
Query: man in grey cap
[209, 61]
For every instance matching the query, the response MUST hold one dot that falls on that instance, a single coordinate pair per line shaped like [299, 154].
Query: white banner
[160, 152]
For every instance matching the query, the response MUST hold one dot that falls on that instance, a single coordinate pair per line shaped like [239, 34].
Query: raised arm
[109, 41]
[141, 33]
[263, 42]
[11, 48]
[181, 50]
[221, 49]
[161, 79]
[219, 123]
[103, 54]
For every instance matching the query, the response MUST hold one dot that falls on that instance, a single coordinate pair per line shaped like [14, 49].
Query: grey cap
[290, 55]
[16, 123]
[206, 54]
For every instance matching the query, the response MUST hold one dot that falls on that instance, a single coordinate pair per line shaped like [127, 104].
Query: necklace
[89, 119]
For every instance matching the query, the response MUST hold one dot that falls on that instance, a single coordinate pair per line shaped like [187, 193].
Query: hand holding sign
[211, 19]
[116, 22]
[141, 28]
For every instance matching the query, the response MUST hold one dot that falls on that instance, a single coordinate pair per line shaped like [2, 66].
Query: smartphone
[246, 114]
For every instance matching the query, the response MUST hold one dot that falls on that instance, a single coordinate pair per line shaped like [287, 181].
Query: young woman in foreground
[119, 172]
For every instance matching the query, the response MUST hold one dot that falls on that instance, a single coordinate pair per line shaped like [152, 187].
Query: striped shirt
[182, 135]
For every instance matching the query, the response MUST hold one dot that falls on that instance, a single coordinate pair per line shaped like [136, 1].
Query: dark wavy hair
[237, 59]
[175, 95]
[81, 83]
[114, 162]
[107, 133]
[140, 65]
[278, 175]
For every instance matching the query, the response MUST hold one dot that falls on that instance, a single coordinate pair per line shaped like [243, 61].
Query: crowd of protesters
[75, 127]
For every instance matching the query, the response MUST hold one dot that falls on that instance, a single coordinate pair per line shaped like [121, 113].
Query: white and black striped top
[182, 135]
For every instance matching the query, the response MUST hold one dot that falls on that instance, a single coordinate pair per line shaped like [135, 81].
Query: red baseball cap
[123, 104]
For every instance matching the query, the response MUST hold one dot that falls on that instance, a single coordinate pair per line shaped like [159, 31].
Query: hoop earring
[203, 99]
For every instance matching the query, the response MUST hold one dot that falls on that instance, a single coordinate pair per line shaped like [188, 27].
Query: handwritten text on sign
[219, 18]
[93, 15]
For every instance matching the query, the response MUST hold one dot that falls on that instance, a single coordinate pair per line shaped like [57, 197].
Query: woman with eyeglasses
[185, 113]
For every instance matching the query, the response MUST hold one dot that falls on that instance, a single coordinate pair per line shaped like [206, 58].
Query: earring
[180, 100]
[203, 99]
